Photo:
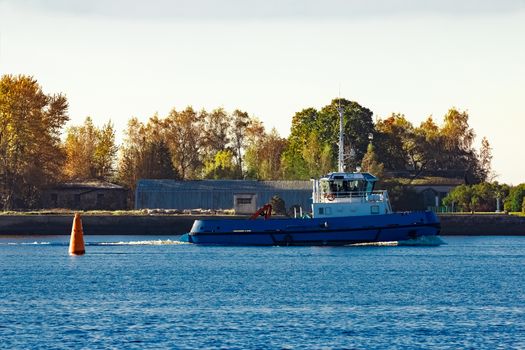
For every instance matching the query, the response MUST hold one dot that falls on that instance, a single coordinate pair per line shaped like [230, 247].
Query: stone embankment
[99, 224]
[452, 224]
[482, 225]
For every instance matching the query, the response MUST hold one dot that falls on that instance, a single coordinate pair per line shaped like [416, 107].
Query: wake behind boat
[345, 210]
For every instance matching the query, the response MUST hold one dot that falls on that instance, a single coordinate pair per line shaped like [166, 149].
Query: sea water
[150, 292]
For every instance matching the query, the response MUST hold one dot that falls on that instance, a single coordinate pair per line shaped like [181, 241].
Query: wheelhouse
[344, 185]
[348, 194]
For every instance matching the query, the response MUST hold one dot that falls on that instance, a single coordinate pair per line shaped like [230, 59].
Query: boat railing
[353, 196]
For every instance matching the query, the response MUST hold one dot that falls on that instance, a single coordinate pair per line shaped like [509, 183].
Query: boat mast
[340, 161]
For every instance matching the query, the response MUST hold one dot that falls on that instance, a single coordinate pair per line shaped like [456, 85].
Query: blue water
[146, 292]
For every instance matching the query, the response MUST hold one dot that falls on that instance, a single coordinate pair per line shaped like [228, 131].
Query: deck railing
[351, 196]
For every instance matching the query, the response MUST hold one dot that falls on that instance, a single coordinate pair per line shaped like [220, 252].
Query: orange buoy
[76, 244]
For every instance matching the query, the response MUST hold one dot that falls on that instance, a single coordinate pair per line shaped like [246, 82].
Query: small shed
[434, 189]
[85, 195]
[245, 203]
[245, 196]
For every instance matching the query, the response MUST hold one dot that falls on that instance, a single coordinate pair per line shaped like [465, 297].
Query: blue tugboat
[345, 210]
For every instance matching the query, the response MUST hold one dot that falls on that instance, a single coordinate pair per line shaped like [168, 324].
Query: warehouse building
[245, 196]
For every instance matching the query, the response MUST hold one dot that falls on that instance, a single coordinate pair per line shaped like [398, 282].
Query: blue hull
[313, 232]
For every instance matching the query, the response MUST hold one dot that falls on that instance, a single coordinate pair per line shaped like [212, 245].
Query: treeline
[189, 144]
[398, 145]
[484, 197]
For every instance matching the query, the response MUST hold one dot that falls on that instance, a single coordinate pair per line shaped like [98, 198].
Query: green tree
[317, 156]
[240, 122]
[263, 152]
[128, 171]
[105, 152]
[460, 198]
[446, 151]
[480, 197]
[485, 161]
[222, 166]
[184, 139]
[389, 138]
[90, 151]
[313, 131]
[271, 149]
[80, 148]
[357, 125]
[514, 200]
[371, 164]
[483, 197]
[293, 163]
[156, 161]
[254, 135]
[457, 133]
[430, 146]
[31, 155]
[458, 153]
[145, 154]
[215, 135]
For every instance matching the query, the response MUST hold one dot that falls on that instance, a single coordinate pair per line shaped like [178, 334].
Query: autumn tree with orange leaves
[31, 155]
[90, 152]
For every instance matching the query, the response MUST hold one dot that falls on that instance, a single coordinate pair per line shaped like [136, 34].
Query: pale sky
[117, 59]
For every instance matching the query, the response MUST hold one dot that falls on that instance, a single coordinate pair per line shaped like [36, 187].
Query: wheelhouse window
[344, 187]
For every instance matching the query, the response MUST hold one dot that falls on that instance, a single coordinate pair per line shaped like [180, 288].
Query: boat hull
[313, 232]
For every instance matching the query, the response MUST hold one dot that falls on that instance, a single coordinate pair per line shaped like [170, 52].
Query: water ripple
[143, 293]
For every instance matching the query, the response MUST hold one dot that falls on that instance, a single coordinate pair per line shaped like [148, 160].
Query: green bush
[523, 206]
[481, 197]
[460, 198]
[514, 201]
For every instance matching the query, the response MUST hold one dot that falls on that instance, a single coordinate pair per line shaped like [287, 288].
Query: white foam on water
[149, 242]
[374, 244]
[25, 243]
[430, 241]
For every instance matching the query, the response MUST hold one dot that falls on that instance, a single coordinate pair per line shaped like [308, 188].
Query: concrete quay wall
[482, 225]
[98, 225]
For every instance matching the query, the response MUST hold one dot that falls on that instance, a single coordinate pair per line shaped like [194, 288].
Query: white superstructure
[348, 194]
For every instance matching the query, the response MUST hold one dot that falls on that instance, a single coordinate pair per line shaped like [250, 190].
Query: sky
[115, 59]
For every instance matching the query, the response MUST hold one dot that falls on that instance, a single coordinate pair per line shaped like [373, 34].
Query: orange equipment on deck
[265, 211]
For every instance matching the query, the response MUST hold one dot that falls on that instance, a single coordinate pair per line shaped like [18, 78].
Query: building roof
[221, 185]
[87, 185]
[431, 181]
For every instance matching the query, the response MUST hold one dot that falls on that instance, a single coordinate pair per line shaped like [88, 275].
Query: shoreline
[451, 224]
